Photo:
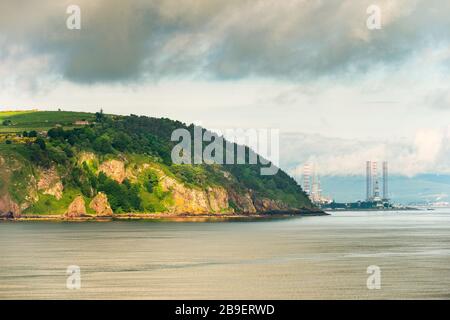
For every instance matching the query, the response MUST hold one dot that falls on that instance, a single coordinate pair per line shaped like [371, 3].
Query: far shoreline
[373, 209]
[184, 217]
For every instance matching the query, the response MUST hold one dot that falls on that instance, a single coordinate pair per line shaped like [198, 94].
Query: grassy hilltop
[56, 162]
[40, 120]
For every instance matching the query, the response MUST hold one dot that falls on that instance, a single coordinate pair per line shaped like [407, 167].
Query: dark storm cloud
[294, 40]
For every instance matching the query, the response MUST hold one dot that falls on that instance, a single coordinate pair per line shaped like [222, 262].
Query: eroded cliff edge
[101, 170]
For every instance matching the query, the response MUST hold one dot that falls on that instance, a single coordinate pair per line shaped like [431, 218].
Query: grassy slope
[40, 120]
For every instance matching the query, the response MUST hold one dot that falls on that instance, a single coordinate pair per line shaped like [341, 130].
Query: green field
[40, 120]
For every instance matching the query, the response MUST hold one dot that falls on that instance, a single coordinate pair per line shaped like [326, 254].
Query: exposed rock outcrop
[31, 194]
[218, 199]
[114, 169]
[50, 183]
[179, 198]
[195, 201]
[264, 205]
[243, 201]
[86, 157]
[8, 208]
[101, 205]
[77, 208]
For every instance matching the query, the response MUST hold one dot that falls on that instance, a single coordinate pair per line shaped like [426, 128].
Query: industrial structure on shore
[376, 198]
[372, 182]
[311, 185]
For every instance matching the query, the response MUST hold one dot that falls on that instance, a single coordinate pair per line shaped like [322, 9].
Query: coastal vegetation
[49, 159]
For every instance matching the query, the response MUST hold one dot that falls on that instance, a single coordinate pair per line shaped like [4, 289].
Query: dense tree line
[149, 136]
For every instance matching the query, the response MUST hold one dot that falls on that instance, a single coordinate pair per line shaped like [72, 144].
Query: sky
[339, 93]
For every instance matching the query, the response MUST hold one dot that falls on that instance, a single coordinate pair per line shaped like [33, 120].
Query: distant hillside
[81, 163]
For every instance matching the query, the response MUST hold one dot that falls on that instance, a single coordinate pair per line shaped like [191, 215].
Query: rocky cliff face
[101, 205]
[57, 178]
[265, 204]
[216, 200]
[87, 157]
[77, 208]
[185, 199]
[9, 208]
[196, 201]
[17, 186]
[50, 183]
[243, 201]
[114, 169]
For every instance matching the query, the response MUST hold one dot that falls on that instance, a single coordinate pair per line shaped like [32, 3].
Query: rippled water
[309, 257]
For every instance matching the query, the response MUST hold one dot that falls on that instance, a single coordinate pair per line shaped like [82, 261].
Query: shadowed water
[309, 257]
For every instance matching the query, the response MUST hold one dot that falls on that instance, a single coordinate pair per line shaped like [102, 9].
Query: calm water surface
[309, 257]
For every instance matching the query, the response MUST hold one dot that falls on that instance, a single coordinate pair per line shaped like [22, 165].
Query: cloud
[438, 100]
[22, 76]
[428, 151]
[295, 40]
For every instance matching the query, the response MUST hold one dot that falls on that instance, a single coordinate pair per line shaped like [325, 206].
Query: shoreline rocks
[101, 205]
[77, 208]
[8, 208]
